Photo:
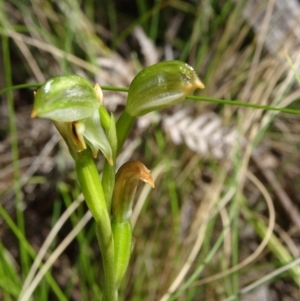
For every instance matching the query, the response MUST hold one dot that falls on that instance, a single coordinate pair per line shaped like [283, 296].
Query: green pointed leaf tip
[160, 86]
[65, 99]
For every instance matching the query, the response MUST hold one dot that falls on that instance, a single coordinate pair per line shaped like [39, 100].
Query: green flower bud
[73, 104]
[127, 179]
[160, 86]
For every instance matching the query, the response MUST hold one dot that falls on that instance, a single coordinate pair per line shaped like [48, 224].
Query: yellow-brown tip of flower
[78, 129]
[33, 113]
[148, 179]
[99, 93]
[199, 84]
[110, 161]
[137, 171]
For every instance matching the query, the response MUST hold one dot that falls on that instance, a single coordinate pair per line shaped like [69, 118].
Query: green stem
[192, 97]
[109, 171]
[92, 190]
[243, 104]
[106, 244]
[124, 125]
[90, 183]
[108, 182]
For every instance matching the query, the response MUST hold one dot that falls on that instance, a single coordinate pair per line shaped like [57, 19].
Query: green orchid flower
[160, 86]
[73, 105]
[127, 179]
[154, 88]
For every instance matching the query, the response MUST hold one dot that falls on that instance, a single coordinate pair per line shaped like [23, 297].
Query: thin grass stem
[14, 228]
[25, 262]
[190, 97]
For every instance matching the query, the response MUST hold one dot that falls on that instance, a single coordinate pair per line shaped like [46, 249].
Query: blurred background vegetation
[223, 220]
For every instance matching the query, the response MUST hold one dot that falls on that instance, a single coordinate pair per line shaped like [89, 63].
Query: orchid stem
[124, 125]
[92, 190]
